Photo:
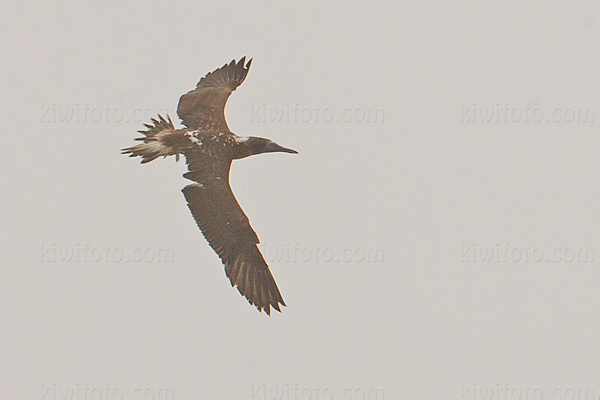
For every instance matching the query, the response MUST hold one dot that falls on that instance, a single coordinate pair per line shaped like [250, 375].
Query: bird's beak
[275, 148]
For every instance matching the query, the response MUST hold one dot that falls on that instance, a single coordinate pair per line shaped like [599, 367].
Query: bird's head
[258, 145]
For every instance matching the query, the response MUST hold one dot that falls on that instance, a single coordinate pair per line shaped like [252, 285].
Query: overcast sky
[435, 238]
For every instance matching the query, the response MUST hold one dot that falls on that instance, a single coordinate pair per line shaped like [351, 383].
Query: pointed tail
[160, 140]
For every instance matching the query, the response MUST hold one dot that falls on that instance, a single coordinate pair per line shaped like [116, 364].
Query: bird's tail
[161, 139]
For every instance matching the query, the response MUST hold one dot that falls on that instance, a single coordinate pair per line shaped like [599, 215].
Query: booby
[209, 147]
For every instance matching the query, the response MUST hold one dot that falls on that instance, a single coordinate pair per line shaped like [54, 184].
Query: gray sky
[458, 192]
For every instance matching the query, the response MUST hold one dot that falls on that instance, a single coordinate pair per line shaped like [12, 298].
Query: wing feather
[204, 107]
[228, 231]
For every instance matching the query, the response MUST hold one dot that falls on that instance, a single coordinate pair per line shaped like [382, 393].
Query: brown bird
[209, 148]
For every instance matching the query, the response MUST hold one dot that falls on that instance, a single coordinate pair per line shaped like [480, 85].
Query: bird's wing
[228, 231]
[204, 107]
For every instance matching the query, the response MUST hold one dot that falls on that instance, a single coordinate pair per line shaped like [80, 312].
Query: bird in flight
[209, 148]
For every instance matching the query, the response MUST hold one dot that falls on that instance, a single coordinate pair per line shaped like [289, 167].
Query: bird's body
[209, 148]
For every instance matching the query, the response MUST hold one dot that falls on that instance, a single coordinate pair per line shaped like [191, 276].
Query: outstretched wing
[204, 107]
[228, 231]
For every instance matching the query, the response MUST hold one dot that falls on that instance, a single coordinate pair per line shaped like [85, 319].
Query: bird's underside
[209, 148]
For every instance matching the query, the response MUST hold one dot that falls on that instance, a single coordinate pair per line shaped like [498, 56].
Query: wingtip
[242, 62]
[275, 306]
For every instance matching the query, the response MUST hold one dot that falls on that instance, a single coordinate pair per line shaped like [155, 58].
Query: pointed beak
[275, 148]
